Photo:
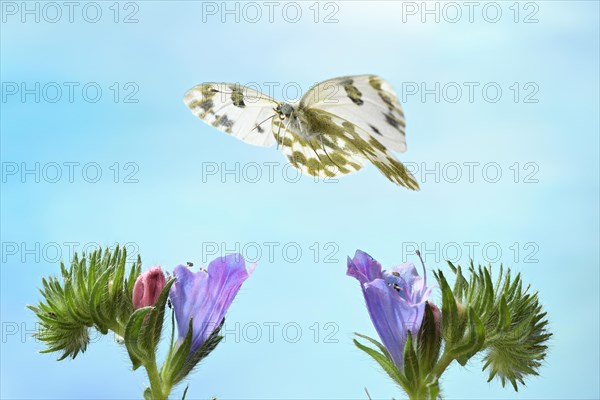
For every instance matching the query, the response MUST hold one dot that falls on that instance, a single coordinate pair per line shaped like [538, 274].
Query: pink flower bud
[147, 287]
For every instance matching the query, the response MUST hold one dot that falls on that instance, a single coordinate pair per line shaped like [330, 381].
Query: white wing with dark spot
[367, 101]
[238, 110]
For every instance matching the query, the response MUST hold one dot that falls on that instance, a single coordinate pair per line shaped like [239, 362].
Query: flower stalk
[156, 385]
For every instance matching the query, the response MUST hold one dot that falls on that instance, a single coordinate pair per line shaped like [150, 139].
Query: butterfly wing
[337, 125]
[350, 143]
[367, 101]
[317, 149]
[238, 110]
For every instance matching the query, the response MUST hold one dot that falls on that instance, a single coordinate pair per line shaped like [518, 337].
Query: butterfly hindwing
[357, 144]
[238, 110]
[316, 151]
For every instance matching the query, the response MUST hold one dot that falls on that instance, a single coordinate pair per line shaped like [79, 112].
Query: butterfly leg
[284, 132]
[327, 154]
[315, 150]
[278, 134]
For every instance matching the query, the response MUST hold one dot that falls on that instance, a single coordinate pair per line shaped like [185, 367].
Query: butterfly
[331, 131]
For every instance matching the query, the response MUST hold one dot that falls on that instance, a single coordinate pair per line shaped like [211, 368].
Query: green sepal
[174, 364]
[181, 362]
[429, 341]
[385, 362]
[153, 329]
[411, 363]
[148, 394]
[144, 328]
[380, 346]
[207, 347]
[133, 330]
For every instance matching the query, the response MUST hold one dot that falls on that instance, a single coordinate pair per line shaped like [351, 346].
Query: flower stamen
[424, 269]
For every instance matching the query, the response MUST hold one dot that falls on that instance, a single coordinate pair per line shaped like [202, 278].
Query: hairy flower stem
[158, 392]
[415, 395]
[422, 391]
[419, 393]
[171, 347]
[442, 364]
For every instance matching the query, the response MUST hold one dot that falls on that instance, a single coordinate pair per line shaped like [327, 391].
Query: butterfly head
[284, 110]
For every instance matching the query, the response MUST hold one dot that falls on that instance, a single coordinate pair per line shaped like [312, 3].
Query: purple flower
[395, 300]
[205, 296]
[147, 287]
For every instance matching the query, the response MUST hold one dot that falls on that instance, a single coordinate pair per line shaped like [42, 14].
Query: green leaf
[473, 341]
[451, 265]
[148, 394]
[453, 324]
[98, 300]
[507, 316]
[503, 315]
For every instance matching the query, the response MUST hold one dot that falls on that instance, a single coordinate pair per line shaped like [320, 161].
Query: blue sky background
[175, 212]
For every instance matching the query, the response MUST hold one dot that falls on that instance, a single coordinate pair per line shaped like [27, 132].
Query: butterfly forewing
[367, 101]
[238, 110]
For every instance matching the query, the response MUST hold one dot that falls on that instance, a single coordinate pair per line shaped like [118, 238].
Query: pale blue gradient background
[171, 211]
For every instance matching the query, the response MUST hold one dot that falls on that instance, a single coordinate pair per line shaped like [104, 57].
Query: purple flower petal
[395, 300]
[206, 296]
[392, 317]
[363, 267]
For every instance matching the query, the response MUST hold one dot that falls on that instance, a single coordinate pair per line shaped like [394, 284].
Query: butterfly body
[285, 110]
[334, 128]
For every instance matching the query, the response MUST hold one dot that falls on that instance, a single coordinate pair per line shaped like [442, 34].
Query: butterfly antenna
[263, 121]
[368, 395]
